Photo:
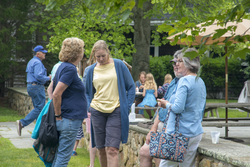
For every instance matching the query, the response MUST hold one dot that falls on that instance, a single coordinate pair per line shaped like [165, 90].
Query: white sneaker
[19, 127]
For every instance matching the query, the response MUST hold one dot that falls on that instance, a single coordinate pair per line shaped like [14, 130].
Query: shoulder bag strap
[177, 118]
[55, 80]
[166, 120]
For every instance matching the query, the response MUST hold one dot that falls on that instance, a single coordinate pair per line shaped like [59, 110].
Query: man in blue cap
[36, 78]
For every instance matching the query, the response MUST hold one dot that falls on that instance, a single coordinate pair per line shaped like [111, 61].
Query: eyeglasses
[179, 61]
[98, 57]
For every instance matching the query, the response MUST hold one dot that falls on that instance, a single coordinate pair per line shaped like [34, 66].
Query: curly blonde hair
[168, 78]
[150, 82]
[99, 45]
[71, 49]
[60, 56]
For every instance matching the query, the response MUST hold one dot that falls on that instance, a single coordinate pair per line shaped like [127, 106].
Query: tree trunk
[142, 34]
[2, 85]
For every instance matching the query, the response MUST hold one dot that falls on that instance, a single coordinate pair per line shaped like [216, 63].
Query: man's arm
[39, 74]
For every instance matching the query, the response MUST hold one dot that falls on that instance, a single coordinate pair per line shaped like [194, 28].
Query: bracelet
[58, 115]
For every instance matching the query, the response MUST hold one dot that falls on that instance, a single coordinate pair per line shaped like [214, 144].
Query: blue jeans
[67, 129]
[37, 94]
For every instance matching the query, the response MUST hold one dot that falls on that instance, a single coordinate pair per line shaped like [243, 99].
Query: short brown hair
[71, 49]
[142, 73]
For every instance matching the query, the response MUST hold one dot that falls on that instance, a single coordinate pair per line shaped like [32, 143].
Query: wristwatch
[58, 115]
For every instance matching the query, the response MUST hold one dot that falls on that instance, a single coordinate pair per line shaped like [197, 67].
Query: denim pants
[37, 94]
[67, 129]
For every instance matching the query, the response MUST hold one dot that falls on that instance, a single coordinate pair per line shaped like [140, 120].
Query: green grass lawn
[8, 115]
[12, 156]
[232, 113]
[220, 101]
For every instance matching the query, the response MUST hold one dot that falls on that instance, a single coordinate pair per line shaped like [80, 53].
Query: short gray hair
[194, 64]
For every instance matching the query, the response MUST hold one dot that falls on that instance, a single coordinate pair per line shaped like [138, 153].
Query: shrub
[159, 67]
[213, 73]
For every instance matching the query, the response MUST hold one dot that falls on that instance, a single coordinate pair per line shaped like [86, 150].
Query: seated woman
[140, 85]
[188, 101]
[163, 89]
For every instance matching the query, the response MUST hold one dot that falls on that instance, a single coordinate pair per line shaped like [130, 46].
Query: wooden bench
[243, 106]
[229, 119]
[214, 106]
[222, 124]
[210, 110]
[152, 108]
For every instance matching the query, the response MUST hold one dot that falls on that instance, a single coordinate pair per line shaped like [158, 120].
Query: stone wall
[20, 100]
[129, 152]
[224, 154]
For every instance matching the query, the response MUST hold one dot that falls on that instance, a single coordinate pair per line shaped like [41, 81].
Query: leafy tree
[142, 37]
[232, 11]
[90, 25]
[247, 69]
[187, 13]
[13, 13]
[95, 22]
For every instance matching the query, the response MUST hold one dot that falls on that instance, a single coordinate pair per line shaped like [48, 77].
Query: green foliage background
[247, 69]
[159, 67]
[213, 73]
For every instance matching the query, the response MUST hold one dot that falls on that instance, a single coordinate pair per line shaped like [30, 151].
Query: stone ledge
[21, 90]
[227, 151]
[138, 129]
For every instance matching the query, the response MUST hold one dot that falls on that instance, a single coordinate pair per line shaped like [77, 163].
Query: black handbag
[46, 154]
[48, 134]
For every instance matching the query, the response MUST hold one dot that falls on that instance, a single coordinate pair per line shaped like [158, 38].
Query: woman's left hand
[58, 118]
[141, 87]
[148, 138]
[162, 103]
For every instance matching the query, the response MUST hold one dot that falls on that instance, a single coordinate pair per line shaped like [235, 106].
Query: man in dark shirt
[36, 78]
